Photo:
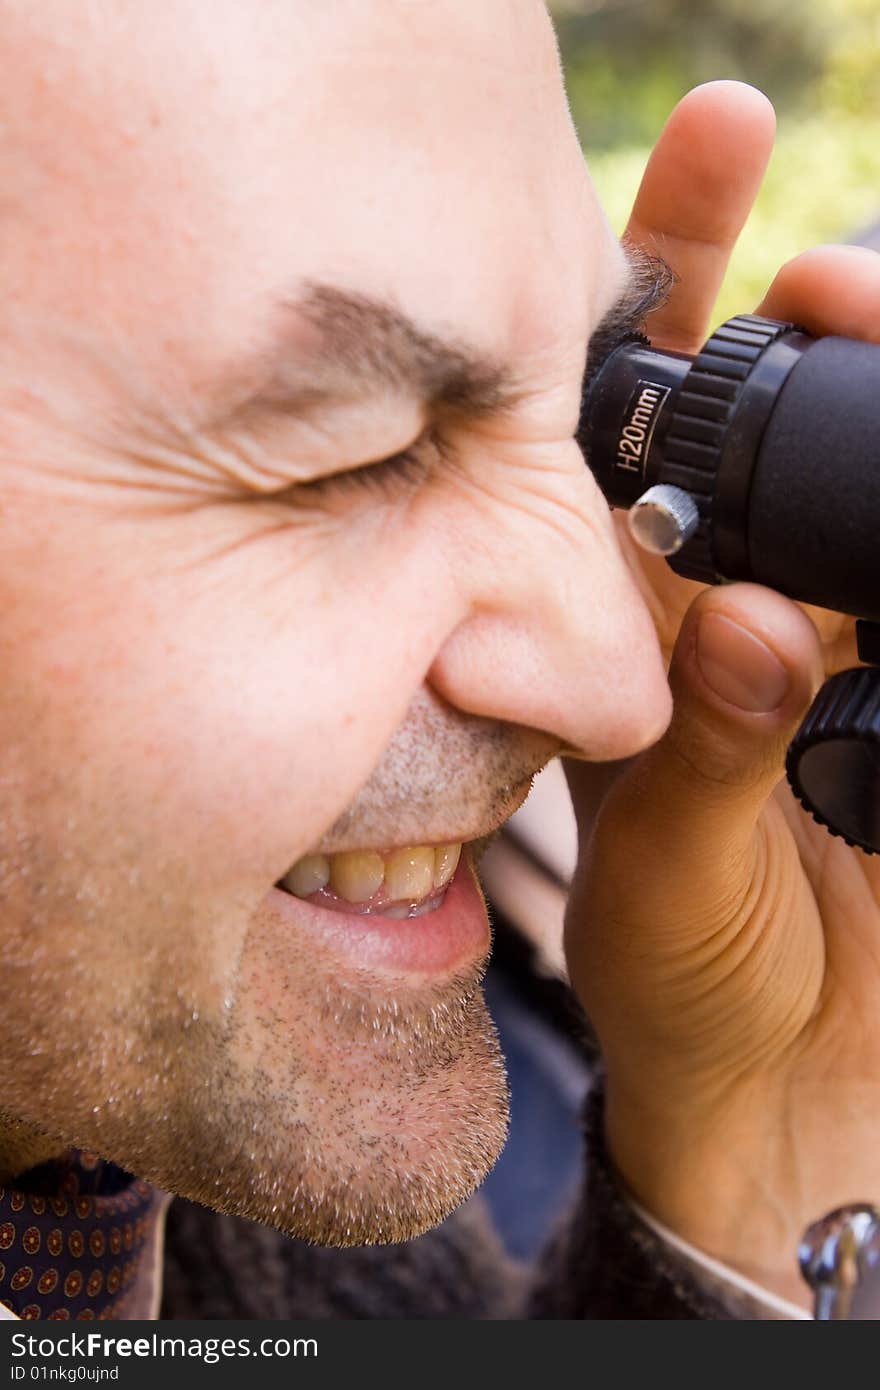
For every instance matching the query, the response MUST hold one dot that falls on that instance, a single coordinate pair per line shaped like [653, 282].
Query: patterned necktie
[78, 1239]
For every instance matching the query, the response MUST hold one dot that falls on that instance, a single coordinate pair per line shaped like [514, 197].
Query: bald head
[171, 171]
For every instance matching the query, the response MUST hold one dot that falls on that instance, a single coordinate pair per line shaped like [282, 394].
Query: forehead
[214, 155]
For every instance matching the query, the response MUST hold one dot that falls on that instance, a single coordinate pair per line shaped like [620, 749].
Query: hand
[728, 949]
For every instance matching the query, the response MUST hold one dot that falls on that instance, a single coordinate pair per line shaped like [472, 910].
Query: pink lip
[453, 936]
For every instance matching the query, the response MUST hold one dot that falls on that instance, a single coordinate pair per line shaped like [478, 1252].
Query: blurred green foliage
[627, 62]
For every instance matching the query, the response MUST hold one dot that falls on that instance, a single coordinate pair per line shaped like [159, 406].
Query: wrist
[716, 1182]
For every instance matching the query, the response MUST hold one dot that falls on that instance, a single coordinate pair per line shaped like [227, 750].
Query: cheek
[209, 724]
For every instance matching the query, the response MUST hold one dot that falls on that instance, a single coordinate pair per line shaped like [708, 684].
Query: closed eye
[386, 478]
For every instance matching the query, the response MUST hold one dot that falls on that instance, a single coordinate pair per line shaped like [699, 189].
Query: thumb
[744, 670]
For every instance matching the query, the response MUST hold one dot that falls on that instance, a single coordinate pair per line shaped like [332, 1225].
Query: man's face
[248, 251]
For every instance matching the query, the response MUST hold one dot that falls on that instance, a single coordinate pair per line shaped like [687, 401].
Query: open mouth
[409, 882]
[415, 912]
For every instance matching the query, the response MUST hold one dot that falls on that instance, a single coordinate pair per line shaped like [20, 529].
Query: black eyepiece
[757, 459]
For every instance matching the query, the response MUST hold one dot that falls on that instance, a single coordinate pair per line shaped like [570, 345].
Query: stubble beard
[373, 1136]
[341, 1107]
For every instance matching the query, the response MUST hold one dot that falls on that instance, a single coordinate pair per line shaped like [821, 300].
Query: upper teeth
[404, 875]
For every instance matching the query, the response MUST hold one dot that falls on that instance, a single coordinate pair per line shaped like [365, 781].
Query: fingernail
[738, 666]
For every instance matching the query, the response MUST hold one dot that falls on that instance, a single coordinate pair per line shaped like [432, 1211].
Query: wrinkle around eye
[287, 466]
[392, 479]
[274, 449]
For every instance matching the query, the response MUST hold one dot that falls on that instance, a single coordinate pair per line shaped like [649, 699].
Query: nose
[557, 636]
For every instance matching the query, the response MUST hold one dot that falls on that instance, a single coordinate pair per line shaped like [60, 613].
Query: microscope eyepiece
[756, 459]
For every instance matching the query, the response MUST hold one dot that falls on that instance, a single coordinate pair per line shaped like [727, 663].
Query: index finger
[695, 196]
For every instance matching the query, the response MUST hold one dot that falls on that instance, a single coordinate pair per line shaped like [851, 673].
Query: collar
[80, 1239]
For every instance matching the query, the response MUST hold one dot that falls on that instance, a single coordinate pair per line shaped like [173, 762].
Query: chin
[387, 1167]
[372, 1134]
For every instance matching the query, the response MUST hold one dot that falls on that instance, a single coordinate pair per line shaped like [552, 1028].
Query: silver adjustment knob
[663, 519]
[835, 1256]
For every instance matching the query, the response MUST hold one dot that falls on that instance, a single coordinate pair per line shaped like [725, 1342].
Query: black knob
[833, 763]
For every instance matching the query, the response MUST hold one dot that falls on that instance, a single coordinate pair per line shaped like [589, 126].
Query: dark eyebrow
[648, 286]
[328, 341]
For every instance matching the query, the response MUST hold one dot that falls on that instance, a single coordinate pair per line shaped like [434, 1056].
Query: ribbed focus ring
[846, 708]
[699, 423]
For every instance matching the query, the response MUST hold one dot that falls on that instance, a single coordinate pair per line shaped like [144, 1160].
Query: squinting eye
[386, 477]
